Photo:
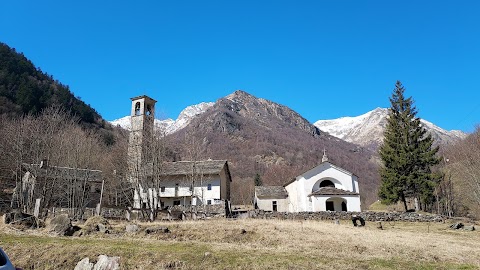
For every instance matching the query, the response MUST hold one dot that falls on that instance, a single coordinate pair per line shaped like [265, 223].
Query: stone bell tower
[141, 134]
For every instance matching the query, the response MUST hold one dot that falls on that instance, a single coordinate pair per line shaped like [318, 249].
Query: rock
[151, 230]
[60, 224]
[96, 224]
[101, 228]
[131, 228]
[243, 231]
[107, 263]
[84, 264]
[72, 231]
[19, 219]
[456, 226]
[207, 254]
[379, 225]
[469, 228]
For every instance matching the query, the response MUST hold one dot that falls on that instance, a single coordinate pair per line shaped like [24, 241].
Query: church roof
[271, 192]
[200, 167]
[332, 191]
[324, 162]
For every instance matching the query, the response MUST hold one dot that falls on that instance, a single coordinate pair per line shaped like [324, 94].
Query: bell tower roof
[143, 97]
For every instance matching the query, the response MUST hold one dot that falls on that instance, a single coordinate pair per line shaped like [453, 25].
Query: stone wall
[330, 215]
[213, 209]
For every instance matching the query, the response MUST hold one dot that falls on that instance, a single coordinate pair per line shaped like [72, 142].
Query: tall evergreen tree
[407, 154]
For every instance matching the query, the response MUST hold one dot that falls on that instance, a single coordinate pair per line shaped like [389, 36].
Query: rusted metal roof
[332, 191]
[272, 192]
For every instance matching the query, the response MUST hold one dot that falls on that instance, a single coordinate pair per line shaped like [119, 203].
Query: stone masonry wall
[330, 215]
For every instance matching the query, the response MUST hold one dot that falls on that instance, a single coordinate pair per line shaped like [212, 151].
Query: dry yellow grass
[257, 244]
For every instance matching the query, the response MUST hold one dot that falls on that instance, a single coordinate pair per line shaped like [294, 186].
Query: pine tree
[407, 154]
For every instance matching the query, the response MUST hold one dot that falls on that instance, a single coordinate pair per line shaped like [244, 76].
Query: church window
[327, 183]
[149, 110]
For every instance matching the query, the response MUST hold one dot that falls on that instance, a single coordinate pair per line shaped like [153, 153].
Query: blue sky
[324, 59]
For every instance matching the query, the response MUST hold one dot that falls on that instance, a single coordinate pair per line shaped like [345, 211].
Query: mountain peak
[367, 129]
[239, 94]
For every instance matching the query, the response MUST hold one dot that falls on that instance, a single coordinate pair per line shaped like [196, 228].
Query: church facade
[326, 187]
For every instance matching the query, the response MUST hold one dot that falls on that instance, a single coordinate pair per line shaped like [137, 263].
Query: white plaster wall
[308, 182]
[293, 197]
[169, 196]
[267, 204]
[353, 204]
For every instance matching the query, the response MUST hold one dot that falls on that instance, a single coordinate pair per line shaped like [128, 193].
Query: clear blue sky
[324, 59]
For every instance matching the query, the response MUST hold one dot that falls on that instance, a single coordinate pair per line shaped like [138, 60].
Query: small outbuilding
[271, 198]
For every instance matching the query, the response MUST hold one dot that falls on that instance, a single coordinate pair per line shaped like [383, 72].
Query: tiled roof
[272, 192]
[332, 191]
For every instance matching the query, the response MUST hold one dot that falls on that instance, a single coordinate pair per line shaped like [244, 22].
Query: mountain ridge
[367, 129]
[258, 136]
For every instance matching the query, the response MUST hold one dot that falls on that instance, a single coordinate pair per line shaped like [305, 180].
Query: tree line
[58, 138]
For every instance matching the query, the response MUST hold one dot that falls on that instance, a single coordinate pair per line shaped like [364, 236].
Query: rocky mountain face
[258, 136]
[367, 129]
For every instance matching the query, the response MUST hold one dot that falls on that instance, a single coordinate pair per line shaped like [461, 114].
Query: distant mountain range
[258, 136]
[367, 129]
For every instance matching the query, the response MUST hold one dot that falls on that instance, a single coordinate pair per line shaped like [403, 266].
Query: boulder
[107, 263]
[131, 228]
[73, 231]
[469, 228]
[60, 224]
[23, 220]
[84, 264]
[96, 224]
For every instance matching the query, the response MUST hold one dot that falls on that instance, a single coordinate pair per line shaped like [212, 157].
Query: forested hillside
[25, 89]
[40, 118]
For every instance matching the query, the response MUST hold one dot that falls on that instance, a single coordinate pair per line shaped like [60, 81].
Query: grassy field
[254, 244]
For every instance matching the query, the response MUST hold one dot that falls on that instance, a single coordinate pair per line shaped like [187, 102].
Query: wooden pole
[99, 210]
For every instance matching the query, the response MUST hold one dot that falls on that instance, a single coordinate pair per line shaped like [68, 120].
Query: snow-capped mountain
[169, 125]
[367, 129]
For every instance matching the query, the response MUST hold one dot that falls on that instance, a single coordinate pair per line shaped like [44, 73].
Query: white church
[326, 187]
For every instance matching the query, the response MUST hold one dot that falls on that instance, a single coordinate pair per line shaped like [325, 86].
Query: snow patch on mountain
[367, 129]
[169, 125]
